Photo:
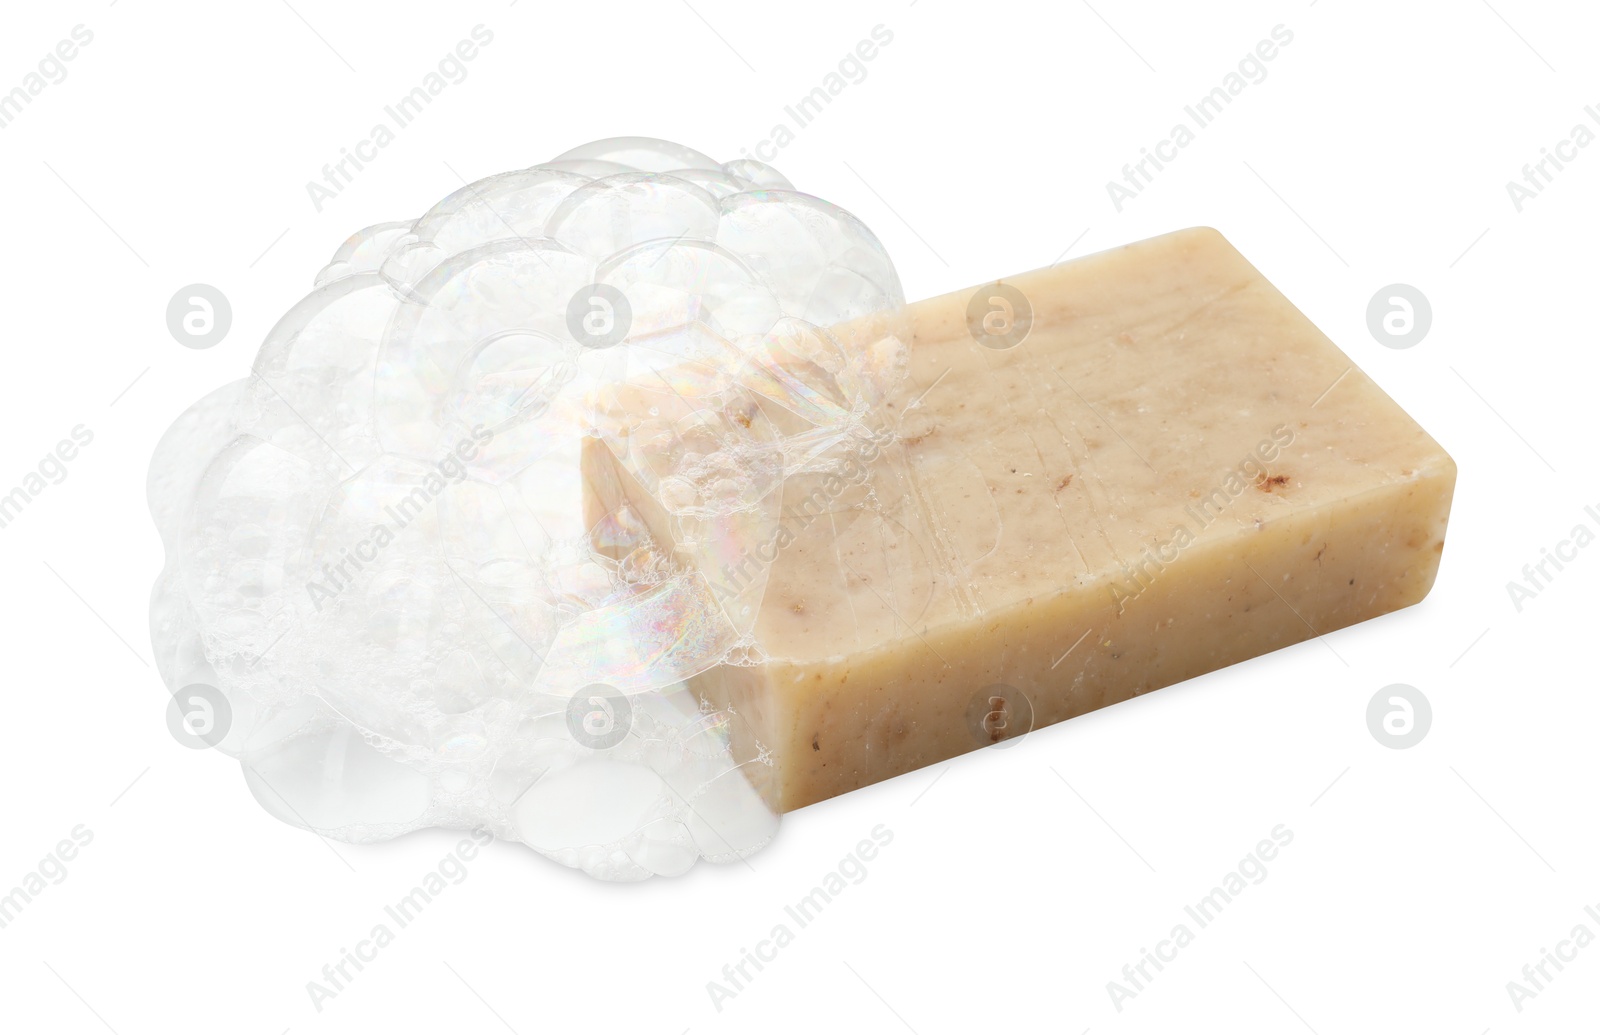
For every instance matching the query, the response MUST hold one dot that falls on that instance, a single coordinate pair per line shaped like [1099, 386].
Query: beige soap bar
[1173, 471]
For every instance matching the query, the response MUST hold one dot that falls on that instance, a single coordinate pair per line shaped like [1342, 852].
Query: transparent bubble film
[461, 548]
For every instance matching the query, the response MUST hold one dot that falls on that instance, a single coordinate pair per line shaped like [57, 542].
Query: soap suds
[381, 547]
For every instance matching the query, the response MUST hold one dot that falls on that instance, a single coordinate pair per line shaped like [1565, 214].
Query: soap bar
[1100, 478]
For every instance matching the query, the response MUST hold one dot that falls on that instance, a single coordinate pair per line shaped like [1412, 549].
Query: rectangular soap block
[1173, 471]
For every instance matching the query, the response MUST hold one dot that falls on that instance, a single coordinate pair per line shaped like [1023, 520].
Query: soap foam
[377, 544]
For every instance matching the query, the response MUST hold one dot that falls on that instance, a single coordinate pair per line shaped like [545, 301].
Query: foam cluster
[386, 551]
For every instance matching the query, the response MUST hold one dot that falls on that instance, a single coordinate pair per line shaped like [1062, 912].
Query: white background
[1020, 881]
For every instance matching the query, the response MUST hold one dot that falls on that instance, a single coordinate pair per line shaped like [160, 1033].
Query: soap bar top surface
[1163, 386]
